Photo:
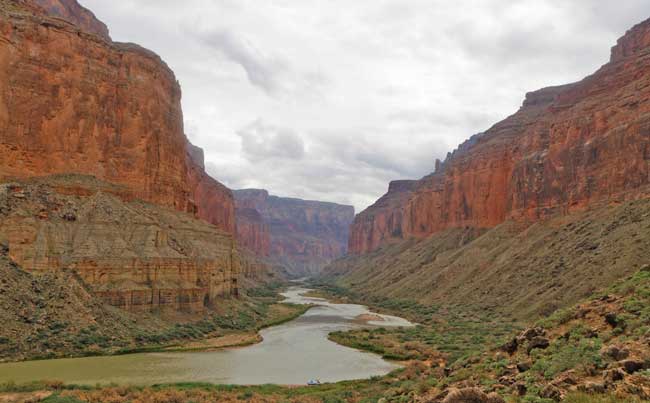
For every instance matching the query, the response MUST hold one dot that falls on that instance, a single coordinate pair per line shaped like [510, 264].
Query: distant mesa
[301, 235]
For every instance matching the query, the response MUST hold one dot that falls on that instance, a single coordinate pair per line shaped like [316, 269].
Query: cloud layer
[330, 100]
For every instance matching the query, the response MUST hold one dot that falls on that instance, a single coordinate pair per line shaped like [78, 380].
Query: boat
[313, 382]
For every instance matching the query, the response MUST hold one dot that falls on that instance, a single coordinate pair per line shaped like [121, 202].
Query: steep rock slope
[96, 107]
[299, 234]
[136, 256]
[33, 306]
[515, 270]
[567, 147]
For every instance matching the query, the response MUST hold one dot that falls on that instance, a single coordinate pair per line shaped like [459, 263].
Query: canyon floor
[58, 316]
[536, 319]
[593, 351]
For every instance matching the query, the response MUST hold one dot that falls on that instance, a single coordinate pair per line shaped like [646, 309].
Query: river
[290, 354]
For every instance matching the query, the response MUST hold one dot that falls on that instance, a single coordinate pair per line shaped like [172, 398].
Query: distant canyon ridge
[301, 235]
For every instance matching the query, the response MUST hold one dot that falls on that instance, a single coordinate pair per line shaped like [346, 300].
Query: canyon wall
[253, 231]
[567, 148]
[92, 106]
[98, 175]
[134, 255]
[301, 235]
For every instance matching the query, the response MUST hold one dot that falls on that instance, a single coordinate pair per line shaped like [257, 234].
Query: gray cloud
[336, 165]
[345, 96]
[262, 70]
[261, 141]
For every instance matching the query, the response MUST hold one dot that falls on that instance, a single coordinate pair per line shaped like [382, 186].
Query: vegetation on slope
[598, 350]
[595, 351]
[55, 315]
[514, 270]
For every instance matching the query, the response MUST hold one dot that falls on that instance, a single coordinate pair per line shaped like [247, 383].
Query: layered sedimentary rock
[134, 255]
[301, 235]
[73, 101]
[565, 149]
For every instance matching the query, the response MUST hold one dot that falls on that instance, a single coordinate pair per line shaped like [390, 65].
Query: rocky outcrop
[567, 148]
[252, 231]
[383, 220]
[304, 235]
[95, 107]
[72, 11]
[135, 255]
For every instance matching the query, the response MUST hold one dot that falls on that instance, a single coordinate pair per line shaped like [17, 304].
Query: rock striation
[301, 235]
[567, 148]
[96, 107]
[134, 255]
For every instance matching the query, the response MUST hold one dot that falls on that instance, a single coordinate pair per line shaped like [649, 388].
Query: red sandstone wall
[76, 103]
[252, 231]
[566, 148]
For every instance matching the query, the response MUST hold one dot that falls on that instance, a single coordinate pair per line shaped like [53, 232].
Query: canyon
[98, 174]
[529, 216]
[568, 147]
[302, 236]
[97, 107]
[523, 257]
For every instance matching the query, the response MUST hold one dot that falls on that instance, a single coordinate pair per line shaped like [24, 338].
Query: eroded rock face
[304, 235]
[384, 220]
[135, 255]
[72, 102]
[72, 11]
[252, 231]
[565, 149]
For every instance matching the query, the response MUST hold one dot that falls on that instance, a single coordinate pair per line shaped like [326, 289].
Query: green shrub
[564, 355]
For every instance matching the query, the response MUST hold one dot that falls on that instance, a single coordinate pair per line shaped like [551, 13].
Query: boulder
[613, 375]
[524, 366]
[615, 352]
[511, 346]
[538, 342]
[632, 366]
[612, 319]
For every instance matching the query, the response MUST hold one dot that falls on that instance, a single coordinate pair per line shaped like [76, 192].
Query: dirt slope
[513, 269]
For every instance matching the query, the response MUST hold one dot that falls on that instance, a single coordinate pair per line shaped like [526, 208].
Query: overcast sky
[332, 99]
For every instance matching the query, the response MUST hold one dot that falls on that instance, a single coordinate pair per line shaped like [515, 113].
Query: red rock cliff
[304, 235]
[72, 11]
[75, 102]
[566, 148]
